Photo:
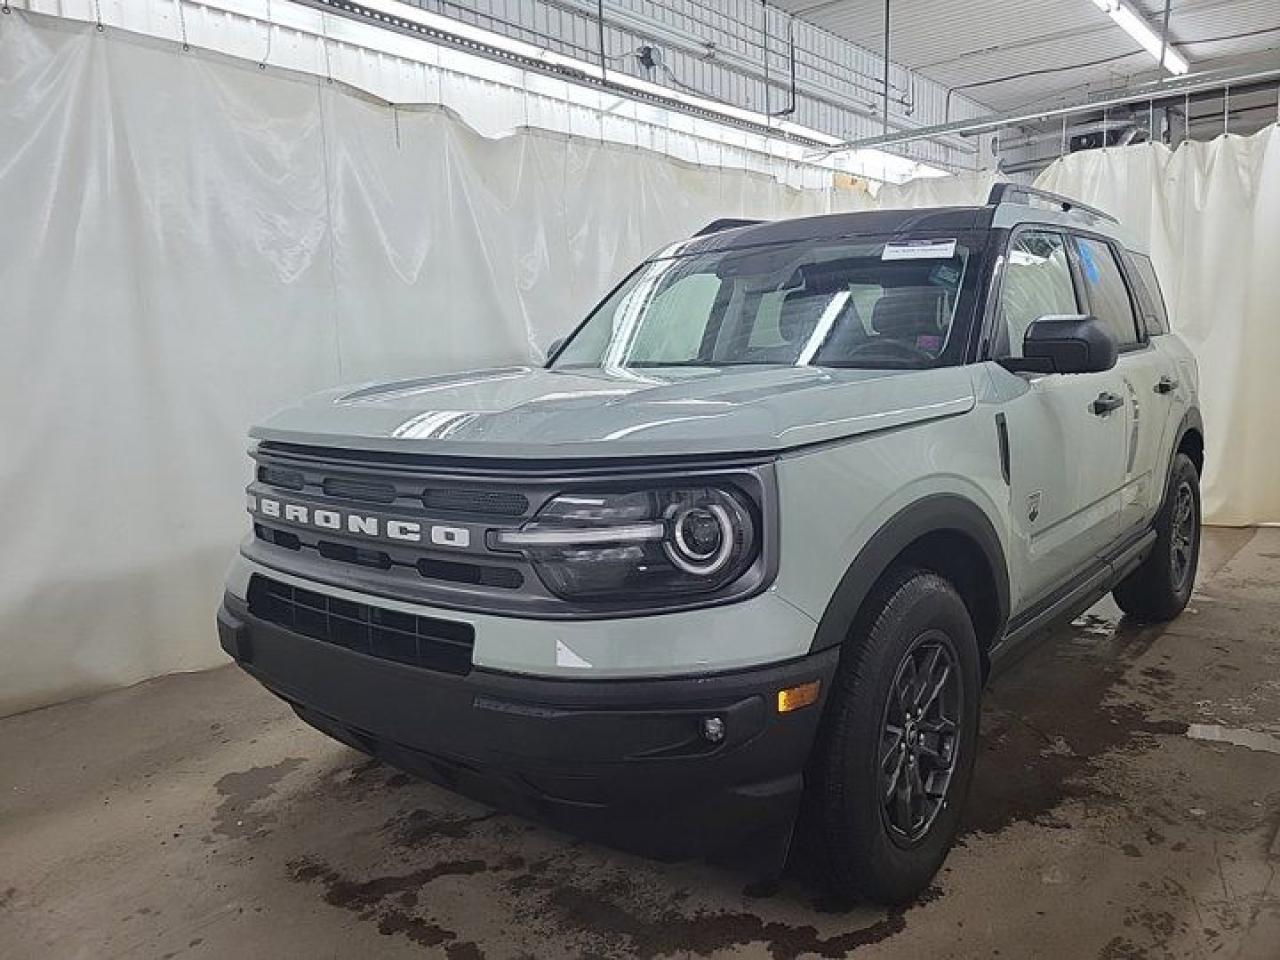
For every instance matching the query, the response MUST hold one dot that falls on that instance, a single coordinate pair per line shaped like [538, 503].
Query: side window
[1037, 283]
[1105, 288]
[1153, 308]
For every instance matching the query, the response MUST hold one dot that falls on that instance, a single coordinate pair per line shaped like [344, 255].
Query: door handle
[1166, 385]
[1105, 403]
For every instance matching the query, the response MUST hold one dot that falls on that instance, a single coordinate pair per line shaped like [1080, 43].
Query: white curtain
[190, 242]
[961, 190]
[1211, 214]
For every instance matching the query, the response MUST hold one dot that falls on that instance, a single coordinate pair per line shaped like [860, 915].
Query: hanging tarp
[1211, 214]
[189, 242]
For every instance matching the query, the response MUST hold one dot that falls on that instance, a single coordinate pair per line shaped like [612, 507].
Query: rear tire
[1160, 587]
[894, 757]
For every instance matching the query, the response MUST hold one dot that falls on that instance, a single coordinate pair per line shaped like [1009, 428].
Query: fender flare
[932, 514]
[1191, 420]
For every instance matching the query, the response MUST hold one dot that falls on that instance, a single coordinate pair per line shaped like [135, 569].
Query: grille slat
[490, 503]
[446, 571]
[371, 491]
[440, 645]
[508, 578]
[278, 477]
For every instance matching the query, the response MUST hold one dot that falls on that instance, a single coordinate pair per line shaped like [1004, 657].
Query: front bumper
[621, 761]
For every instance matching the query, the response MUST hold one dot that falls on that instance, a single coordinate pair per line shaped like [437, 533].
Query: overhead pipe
[791, 44]
[764, 37]
[886, 66]
[604, 60]
[1164, 32]
[1167, 91]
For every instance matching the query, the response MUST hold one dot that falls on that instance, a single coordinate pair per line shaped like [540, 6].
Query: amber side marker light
[793, 698]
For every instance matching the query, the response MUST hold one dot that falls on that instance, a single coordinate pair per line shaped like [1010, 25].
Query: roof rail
[715, 226]
[1006, 192]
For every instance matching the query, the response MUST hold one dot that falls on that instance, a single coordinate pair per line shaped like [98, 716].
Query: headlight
[665, 542]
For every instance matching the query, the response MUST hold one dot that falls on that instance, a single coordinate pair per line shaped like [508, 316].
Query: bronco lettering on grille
[405, 531]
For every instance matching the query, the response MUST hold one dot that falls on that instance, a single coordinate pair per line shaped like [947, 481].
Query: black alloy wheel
[919, 738]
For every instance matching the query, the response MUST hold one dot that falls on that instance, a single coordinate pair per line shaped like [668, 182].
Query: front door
[1067, 433]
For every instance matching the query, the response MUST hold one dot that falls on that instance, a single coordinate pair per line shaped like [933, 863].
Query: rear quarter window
[1155, 314]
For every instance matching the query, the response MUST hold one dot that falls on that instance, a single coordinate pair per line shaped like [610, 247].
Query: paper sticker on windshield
[919, 250]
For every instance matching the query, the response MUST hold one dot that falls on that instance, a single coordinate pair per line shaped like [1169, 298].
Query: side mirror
[554, 347]
[1066, 344]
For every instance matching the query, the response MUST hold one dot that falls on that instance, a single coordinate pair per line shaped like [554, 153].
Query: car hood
[524, 412]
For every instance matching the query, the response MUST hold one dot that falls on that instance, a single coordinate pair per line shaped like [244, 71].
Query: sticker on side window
[919, 250]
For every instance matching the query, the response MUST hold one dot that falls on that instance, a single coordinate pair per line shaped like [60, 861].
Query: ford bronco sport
[742, 554]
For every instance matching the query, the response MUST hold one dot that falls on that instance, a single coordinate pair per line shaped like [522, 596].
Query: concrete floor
[193, 816]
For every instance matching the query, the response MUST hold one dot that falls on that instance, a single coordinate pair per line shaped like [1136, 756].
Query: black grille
[492, 503]
[350, 554]
[453, 571]
[280, 538]
[371, 490]
[441, 645]
[276, 477]
[508, 578]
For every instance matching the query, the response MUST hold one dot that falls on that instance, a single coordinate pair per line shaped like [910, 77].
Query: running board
[1076, 597]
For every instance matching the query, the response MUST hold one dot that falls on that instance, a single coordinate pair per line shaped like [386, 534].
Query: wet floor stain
[241, 812]
[606, 910]
[422, 827]
[390, 900]
[360, 894]
[627, 933]
[1252, 739]
[1041, 739]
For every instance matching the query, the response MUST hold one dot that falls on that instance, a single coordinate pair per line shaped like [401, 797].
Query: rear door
[1170, 383]
[1067, 433]
[1111, 295]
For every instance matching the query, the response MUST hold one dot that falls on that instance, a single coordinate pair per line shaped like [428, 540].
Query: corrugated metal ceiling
[963, 42]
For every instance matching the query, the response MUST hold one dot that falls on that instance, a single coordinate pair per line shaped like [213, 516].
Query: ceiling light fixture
[1133, 24]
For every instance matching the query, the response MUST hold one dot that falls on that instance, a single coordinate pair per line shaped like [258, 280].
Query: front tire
[892, 765]
[1160, 587]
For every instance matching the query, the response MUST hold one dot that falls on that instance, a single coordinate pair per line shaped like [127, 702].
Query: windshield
[850, 303]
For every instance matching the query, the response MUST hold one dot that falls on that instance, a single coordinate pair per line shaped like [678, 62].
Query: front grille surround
[453, 561]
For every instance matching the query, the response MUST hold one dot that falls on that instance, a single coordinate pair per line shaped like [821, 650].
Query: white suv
[742, 554]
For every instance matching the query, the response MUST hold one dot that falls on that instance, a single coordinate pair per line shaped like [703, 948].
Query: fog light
[712, 729]
[793, 698]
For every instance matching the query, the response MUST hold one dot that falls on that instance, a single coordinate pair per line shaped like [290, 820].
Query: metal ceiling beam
[1165, 90]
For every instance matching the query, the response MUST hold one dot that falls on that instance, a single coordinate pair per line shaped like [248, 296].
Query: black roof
[834, 226]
